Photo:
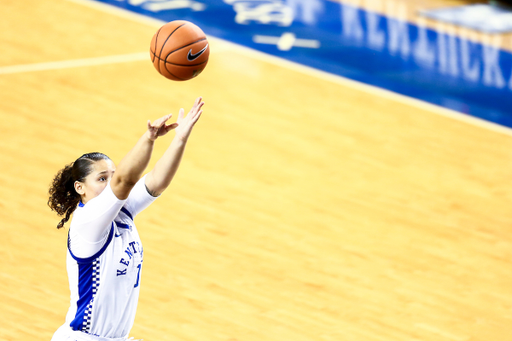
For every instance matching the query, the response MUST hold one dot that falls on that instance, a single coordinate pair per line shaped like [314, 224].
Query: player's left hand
[159, 127]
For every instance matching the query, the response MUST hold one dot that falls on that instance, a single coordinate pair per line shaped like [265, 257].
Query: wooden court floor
[307, 207]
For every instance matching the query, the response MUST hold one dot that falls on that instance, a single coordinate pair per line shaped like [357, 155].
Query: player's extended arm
[161, 176]
[132, 166]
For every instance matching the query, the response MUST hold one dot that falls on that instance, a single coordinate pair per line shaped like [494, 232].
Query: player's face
[97, 180]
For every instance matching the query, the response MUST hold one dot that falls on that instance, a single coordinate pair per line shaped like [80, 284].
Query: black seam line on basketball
[156, 44]
[156, 41]
[166, 40]
[197, 41]
[167, 62]
[153, 56]
[182, 79]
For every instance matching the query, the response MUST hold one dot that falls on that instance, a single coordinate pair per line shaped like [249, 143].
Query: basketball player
[105, 254]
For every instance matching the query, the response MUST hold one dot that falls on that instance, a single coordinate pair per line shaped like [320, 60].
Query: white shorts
[65, 333]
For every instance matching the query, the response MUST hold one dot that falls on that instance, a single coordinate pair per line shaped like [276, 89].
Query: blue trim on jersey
[86, 286]
[81, 204]
[123, 226]
[85, 292]
[125, 211]
[97, 254]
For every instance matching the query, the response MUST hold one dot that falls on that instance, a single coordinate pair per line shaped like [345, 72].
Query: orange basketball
[179, 50]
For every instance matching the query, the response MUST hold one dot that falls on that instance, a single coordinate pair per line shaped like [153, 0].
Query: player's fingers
[166, 118]
[196, 117]
[161, 121]
[196, 103]
[196, 109]
[180, 114]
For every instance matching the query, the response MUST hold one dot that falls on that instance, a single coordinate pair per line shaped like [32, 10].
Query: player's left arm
[159, 178]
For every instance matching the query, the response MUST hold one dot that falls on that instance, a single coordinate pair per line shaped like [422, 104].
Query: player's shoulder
[79, 214]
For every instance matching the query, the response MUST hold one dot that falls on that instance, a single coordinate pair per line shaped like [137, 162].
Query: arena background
[349, 179]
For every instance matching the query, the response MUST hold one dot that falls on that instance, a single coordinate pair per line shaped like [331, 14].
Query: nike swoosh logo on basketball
[193, 56]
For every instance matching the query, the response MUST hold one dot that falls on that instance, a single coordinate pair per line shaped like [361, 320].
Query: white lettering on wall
[493, 75]
[447, 54]
[424, 52]
[163, 5]
[352, 27]
[454, 55]
[470, 66]
[376, 37]
[398, 29]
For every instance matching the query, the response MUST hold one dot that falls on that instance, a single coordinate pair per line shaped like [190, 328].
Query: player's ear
[79, 187]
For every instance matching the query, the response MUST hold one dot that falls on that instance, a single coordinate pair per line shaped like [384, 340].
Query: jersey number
[138, 275]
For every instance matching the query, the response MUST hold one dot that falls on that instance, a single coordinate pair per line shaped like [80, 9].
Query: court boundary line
[381, 92]
[72, 63]
[435, 109]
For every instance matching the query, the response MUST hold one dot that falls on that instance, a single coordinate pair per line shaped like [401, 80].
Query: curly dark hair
[63, 196]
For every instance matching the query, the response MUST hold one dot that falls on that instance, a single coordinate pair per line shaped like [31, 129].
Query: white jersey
[104, 276]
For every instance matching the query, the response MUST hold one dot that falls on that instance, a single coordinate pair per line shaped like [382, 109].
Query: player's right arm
[131, 167]
[159, 178]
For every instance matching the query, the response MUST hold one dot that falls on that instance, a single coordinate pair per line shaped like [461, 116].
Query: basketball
[179, 50]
